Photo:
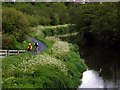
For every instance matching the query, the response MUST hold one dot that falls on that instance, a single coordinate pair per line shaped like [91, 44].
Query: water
[103, 65]
[91, 79]
[103, 68]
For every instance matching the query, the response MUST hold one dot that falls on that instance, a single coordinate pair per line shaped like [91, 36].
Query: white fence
[10, 52]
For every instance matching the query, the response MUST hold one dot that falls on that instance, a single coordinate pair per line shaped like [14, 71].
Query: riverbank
[59, 66]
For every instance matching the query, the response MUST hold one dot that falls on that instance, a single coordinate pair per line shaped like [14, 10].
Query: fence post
[11, 52]
[7, 52]
[18, 52]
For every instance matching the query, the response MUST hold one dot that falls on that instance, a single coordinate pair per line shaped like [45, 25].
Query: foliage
[14, 21]
[17, 17]
[60, 48]
[53, 30]
[55, 19]
[44, 70]
[53, 39]
[98, 23]
[14, 24]
[46, 13]
[50, 31]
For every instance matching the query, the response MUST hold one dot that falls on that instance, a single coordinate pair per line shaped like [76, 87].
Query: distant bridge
[11, 52]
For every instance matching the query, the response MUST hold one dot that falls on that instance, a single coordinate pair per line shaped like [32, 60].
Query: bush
[43, 20]
[14, 24]
[58, 30]
[59, 67]
[33, 20]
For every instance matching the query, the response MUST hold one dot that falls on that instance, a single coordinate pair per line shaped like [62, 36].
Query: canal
[103, 68]
[103, 65]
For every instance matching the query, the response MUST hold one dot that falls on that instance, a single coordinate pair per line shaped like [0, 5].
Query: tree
[14, 23]
[55, 19]
[97, 23]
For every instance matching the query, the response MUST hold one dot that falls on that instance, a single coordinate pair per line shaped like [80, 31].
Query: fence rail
[11, 52]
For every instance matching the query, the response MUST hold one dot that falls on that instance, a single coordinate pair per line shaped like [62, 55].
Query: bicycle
[36, 50]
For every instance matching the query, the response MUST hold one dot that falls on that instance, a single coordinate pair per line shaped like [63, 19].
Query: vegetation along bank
[58, 66]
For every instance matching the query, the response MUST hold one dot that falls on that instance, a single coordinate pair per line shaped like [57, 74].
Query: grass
[63, 30]
[15, 59]
[59, 66]
[44, 70]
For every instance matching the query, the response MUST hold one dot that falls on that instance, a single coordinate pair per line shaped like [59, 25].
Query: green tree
[55, 19]
[14, 23]
[97, 23]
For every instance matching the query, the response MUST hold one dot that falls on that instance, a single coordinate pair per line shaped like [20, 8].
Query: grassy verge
[53, 30]
[59, 66]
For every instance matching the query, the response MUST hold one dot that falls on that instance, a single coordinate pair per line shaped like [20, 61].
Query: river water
[103, 66]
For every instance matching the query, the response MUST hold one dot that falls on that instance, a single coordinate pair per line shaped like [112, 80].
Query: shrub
[14, 24]
[45, 70]
[60, 48]
[58, 30]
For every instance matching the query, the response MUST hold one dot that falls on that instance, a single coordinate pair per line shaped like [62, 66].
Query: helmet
[29, 44]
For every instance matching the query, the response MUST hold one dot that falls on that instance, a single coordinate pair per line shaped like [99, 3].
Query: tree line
[96, 23]
[18, 17]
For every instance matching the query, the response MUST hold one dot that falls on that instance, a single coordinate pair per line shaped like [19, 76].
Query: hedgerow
[59, 67]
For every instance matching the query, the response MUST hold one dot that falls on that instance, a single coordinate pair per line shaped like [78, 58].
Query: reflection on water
[104, 65]
[91, 79]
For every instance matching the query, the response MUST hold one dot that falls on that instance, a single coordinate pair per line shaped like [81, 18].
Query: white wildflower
[60, 48]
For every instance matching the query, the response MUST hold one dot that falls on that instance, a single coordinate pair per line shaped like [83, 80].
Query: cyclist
[36, 47]
[29, 47]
